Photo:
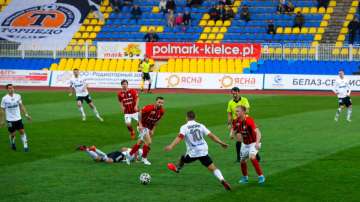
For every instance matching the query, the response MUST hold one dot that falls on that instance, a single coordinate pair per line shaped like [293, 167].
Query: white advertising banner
[209, 81]
[100, 79]
[306, 82]
[43, 24]
[118, 50]
[25, 77]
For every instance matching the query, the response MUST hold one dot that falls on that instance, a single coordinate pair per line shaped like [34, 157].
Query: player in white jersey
[11, 108]
[343, 91]
[80, 88]
[196, 147]
[118, 156]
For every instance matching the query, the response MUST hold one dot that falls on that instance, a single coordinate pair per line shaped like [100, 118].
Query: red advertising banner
[165, 50]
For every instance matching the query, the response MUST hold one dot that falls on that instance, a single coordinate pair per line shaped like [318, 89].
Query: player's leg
[128, 118]
[349, 109]
[12, 135]
[252, 155]
[340, 108]
[93, 107]
[23, 138]
[149, 83]
[146, 148]
[91, 153]
[207, 162]
[79, 103]
[183, 159]
[244, 155]
[142, 83]
[134, 150]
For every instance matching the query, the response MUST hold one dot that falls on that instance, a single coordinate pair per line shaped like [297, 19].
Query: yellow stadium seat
[215, 66]
[211, 23]
[82, 29]
[355, 3]
[223, 30]
[303, 51]
[223, 68]
[227, 23]
[324, 23]
[206, 16]
[320, 30]
[312, 51]
[171, 65]
[346, 23]
[344, 30]
[91, 65]
[352, 10]
[344, 51]
[238, 66]
[69, 64]
[211, 36]
[279, 30]
[287, 51]
[127, 65]
[120, 65]
[296, 30]
[77, 35]
[97, 29]
[219, 37]
[80, 42]
[62, 64]
[297, 9]
[202, 23]
[326, 17]
[313, 10]
[143, 29]
[208, 66]
[83, 65]
[332, 3]
[203, 36]
[89, 28]
[287, 30]
[105, 65]
[219, 23]
[86, 22]
[317, 37]
[200, 66]
[193, 65]
[230, 66]
[92, 35]
[159, 29]
[321, 10]
[314, 43]
[105, 3]
[215, 29]
[295, 51]
[330, 10]
[304, 30]
[237, 3]
[163, 68]
[94, 22]
[85, 35]
[349, 17]
[108, 9]
[88, 41]
[341, 37]
[207, 30]
[178, 65]
[77, 63]
[135, 65]
[98, 64]
[336, 51]
[92, 49]
[155, 9]
[246, 63]
[186, 65]
[312, 30]
[305, 10]
[54, 67]
[235, 9]
[77, 48]
[101, 22]
[339, 44]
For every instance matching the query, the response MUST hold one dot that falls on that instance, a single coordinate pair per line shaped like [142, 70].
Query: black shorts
[345, 101]
[116, 156]
[146, 76]
[205, 160]
[82, 98]
[15, 125]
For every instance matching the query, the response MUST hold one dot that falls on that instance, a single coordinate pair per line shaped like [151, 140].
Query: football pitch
[306, 156]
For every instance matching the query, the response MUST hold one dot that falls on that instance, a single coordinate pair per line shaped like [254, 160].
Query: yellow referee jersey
[233, 104]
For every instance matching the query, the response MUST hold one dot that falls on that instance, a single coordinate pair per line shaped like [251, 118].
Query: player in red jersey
[129, 102]
[149, 117]
[246, 130]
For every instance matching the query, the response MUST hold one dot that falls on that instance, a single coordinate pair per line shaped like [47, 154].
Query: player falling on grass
[149, 117]
[145, 67]
[237, 100]
[244, 128]
[343, 91]
[112, 157]
[196, 147]
[129, 103]
[80, 88]
[11, 108]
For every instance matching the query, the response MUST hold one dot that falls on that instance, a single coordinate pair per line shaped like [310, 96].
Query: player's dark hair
[8, 85]
[341, 70]
[159, 98]
[76, 69]
[190, 115]
[235, 89]
[124, 81]
[243, 108]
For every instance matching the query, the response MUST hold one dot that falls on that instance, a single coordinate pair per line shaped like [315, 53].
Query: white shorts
[247, 150]
[142, 134]
[129, 117]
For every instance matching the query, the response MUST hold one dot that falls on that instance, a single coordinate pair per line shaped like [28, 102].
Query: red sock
[134, 149]
[256, 165]
[146, 150]
[130, 128]
[244, 168]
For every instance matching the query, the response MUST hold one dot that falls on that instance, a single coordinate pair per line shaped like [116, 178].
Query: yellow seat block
[69, 64]
[127, 65]
[160, 29]
[341, 37]
[89, 28]
[164, 68]
[84, 64]
[97, 28]
[80, 42]
[321, 30]
[85, 35]
[120, 65]
[330, 10]
[98, 64]
[303, 51]
[76, 48]
[315, 43]
[279, 30]
[312, 30]
[238, 66]
[215, 29]
[219, 37]
[235, 9]
[105, 65]
[215, 66]
[355, 3]
[211, 23]
[312, 51]
[200, 66]
[346, 23]
[324, 23]
[278, 51]
[62, 64]
[193, 65]
[202, 23]
[93, 22]
[295, 51]
[135, 65]
[186, 65]
[332, 3]
[54, 67]
[92, 48]
[287, 51]
[206, 16]
[305, 10]
[171, 65]
[211, 36]
[336, 51]
[287, 30]
[296, 30]
[237, 3]
[86, 22]
[92, 35]
[223, 30]
[304, 30]
[349, 16]
[223, 66]
[339, 44]
[219, 23]
[208, 66]
[326, 17]
[207, 30]
[321, 10]
[178, 65]
[230, 66]
[246, 63]
[77, 63]
[155, 9]
[88, 41]
[143, 29]
[203, 36]
[77, 35]
[227, 23]
[313, 10]
[82, 28]
[317, 37]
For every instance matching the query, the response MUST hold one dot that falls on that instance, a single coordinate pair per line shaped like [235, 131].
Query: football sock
[100, 153]
[338, 112]
[146, 150]
[81, 109]
[257, 166]
[12, 139]
[244, 169]
[218, 174]
[134, 149]
[349, 112]
[142, 85]
[149, 87]
[130, 128]
[95, 111]
[181, 162]
[238, 148]
[92, 154]
[24, 140]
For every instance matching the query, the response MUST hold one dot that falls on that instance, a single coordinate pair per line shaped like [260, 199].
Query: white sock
[349, 112]
[24, 140]
[96, 112]
[81, 109]
[92, 154]
[12, 139]
[102, 154]
[218, 174]
[338, 112]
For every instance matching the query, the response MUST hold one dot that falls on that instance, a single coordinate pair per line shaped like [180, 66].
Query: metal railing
[271, 51]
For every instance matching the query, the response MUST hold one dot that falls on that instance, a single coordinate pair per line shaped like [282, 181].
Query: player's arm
[136, 101]
[348, 88]
[2, 117]
[24, 111]
[176, 141]
[71, 90]
[121, 104]
[229, 115]
[335, 89]
[217, 140]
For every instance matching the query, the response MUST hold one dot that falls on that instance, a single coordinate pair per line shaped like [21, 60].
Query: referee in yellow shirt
[145, 67]
[231, 110]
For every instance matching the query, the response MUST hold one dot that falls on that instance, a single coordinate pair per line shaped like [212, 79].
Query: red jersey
[128, 100]
[150, 115]
[246, 128]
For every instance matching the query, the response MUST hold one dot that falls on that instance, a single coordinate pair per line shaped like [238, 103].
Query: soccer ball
[145, 178]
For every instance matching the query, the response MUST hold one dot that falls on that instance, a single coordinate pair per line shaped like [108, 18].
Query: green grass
[306, 155]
